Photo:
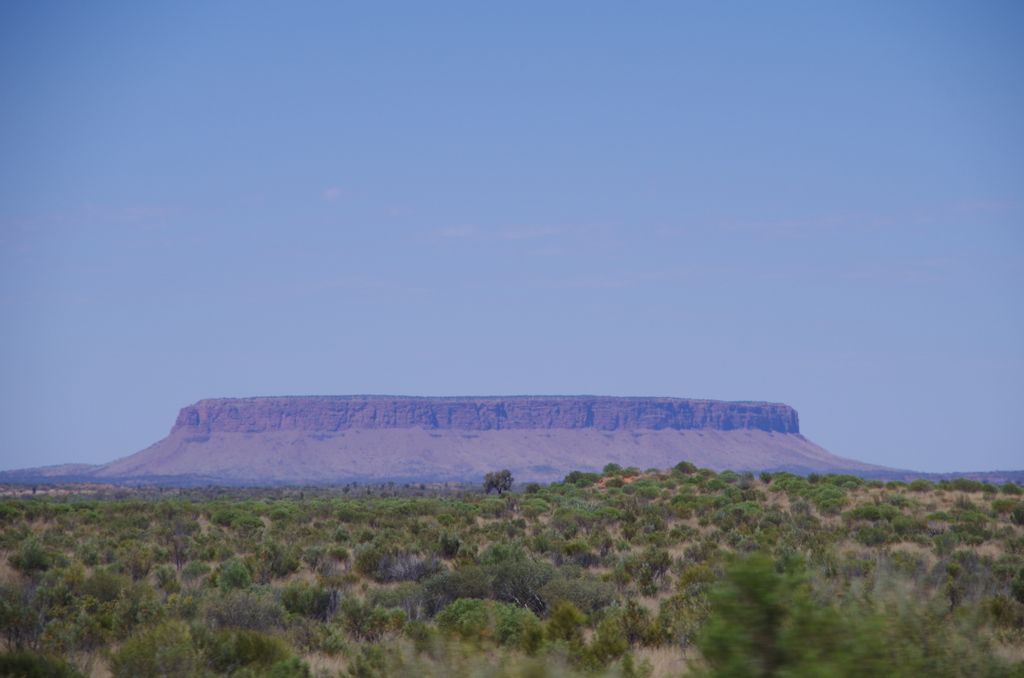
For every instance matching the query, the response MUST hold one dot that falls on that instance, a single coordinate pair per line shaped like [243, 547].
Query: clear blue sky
[814, 203]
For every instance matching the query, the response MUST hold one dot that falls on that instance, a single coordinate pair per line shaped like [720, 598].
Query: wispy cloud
[456, 232]
[623, 279]
[361, 285]
[597, 282]
[21, 233]
[332, 193]
[549, 251]
[922, 217]
[507, 233]
[528, 233]
[921, 271]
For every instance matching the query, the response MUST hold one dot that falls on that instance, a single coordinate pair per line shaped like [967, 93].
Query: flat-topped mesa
[377, 438]
[327, 414]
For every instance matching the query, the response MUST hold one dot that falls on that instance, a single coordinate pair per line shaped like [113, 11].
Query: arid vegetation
[627, 572]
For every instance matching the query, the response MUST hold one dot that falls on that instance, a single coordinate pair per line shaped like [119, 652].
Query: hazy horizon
[798, 203]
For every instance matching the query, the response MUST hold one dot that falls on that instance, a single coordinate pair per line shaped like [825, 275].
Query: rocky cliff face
[341, 413]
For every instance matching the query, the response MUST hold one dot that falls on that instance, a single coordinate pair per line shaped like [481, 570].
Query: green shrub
[223, 517]
[873, 512]
[389, 563]
[448, 545]
[647, 569]
[367, 623]
[479, 620]
[514, 626]
[608, 644]
[289, 668]
[243, 609]
[921, 485]
[681, 616]
[874, 535]
[24, 664]
[586, 593]
[247, 523]
[581, 479]
[465, 582]
[167, 579]
[1017, 587]
[755, 615]
[844, 480]
[105, 586]
[829, 499]
[8, 513]
[535, 506]
[410, 597]
[228, 650]
[768, 623]
[566, 623]
[195, 571]
[962, 485]
[162, 651]
[275, 560]
[520, 582]
[234, 575]
[31, 558]
[469, 618]
[308, 600]
[684, 468]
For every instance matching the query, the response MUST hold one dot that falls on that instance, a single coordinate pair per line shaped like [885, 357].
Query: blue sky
[814, 203]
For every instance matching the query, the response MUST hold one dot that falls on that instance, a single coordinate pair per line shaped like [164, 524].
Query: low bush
[229, 650]
[254, 610]
[164, 651]
[233, 575]
[309, 600]
[25, 664]
[481, 620]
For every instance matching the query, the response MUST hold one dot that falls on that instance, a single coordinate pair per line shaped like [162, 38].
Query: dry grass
[664, 661]
[915, 549]
[602, 483]
[325, 664]
[1013, 653]
[990, 549]
[7, 573]
[100, 668]
[651, 603]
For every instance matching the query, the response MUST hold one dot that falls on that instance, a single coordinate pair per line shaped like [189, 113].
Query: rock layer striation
[340, 413]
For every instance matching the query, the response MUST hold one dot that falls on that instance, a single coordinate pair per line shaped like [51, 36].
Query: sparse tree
[498, 480]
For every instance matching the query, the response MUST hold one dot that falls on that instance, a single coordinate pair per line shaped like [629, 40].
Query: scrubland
[625, 573]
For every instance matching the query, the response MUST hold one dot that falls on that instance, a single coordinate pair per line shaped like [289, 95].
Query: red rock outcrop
[375, 438]
[339, 413]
